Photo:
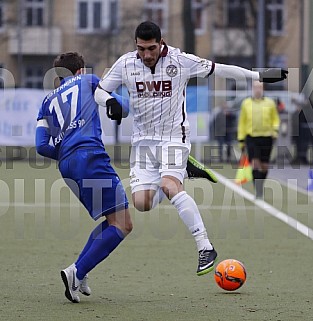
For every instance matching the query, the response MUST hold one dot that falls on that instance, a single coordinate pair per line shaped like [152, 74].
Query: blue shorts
[93, 180]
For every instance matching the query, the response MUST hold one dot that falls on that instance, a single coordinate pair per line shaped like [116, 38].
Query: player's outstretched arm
[270, 75]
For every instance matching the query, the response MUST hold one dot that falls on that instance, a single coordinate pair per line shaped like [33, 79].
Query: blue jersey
[73, 123]
[72, 115]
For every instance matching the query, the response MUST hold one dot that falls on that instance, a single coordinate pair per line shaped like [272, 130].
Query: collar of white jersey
[164, 51]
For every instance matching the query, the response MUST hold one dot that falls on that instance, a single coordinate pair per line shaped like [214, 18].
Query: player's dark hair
[67, 64]
[148, 30]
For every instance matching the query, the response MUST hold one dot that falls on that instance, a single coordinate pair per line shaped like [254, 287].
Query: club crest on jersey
[205, 64]
[171, 70]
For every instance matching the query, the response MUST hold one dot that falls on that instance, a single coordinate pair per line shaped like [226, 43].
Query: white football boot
[84, 288]
[72, 284]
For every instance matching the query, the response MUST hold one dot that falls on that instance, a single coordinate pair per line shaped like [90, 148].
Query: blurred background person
[224, 129]
[281, 107]
[258, 128]
[302, 124]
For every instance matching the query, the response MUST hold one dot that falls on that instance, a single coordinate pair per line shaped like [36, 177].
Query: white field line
[303, 229]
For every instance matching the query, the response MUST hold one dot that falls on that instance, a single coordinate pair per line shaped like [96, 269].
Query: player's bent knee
[126, 228]
[127, 223]
[121, 220]
[142, 206]
[142, 201]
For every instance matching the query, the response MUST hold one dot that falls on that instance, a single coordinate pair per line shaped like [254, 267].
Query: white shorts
[151, 160]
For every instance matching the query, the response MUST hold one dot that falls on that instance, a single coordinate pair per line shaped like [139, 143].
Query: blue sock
[93, 235]
[100, 248]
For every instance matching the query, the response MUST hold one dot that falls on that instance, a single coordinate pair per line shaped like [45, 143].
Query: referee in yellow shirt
[258, 127]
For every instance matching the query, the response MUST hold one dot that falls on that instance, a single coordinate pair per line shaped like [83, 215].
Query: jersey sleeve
[42, 140]
[196, 66]
[40, 112]
[94, 82]
[114, 77]
[235, 72]
[42, 135]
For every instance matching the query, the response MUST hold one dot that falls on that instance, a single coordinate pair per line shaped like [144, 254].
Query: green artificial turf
[152, 274]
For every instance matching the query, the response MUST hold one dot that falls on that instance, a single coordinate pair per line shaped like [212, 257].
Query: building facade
[33, 32]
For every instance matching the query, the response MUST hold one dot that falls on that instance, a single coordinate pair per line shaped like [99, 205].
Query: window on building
[114, 13]
[97, 15]
[34, 12]
[236, 13]
[199, 17]
[33, 76]
[1, 14]
[156, 11]
[275, 10]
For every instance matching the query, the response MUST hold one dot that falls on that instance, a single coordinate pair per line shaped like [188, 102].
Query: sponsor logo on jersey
[133, 178]
[147, 89]
[135, 73]
[171, 70]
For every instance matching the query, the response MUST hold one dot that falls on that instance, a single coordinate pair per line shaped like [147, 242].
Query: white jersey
[158, 97]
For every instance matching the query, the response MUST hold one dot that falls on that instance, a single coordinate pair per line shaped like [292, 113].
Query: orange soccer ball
[230, 274]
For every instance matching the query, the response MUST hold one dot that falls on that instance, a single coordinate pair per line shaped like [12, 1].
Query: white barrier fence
[19, 109]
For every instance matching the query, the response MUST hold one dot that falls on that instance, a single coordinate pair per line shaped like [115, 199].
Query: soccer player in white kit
[156, 76]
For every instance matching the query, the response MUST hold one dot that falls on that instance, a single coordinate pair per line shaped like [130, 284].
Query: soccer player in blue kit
[69, 115]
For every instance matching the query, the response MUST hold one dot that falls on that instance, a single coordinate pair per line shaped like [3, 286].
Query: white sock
[189, 213]
[158, 197]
